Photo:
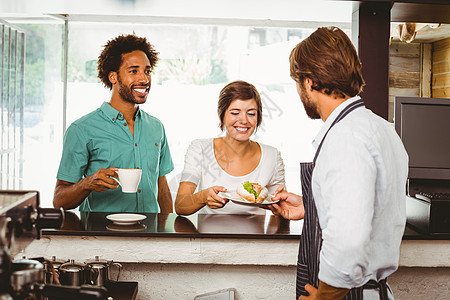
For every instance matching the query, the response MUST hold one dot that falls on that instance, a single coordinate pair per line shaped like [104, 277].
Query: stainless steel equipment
[103, 268]
[76, 274]
[21, 220]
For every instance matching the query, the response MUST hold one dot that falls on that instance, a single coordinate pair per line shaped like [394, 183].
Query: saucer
[126, 219]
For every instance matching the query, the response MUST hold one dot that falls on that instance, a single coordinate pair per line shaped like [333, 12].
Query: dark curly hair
[110, 59]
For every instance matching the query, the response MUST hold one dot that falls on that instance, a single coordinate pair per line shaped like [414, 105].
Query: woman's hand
[188, 203]
[290, 206]
[211, 198]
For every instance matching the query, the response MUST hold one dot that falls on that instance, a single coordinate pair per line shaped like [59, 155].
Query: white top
[202, 169]
[359, 187]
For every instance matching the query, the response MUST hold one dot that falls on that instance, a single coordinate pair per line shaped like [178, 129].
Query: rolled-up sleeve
[278, 177]
[75, 156]
[192, 163]
[166, 163]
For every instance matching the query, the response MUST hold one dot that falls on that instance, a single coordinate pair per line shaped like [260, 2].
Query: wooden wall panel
[440, 87]
[441, 67]
[441, 93]
[441, 80]
[404, 72]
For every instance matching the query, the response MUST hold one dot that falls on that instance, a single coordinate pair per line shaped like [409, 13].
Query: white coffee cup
[129, 179]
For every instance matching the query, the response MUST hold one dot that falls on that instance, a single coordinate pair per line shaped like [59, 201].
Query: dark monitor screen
[423, 124]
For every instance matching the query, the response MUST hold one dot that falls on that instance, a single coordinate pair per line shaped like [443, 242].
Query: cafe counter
[176, 257]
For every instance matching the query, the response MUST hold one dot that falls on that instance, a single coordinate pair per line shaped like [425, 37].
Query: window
[11, 106]
[196, 62]
[32, 100]
[197, 59]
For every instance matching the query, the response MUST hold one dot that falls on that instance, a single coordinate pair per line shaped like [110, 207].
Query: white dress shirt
[202, 169]
[359, 187]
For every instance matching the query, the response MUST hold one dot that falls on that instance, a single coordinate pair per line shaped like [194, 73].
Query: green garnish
[249, 188]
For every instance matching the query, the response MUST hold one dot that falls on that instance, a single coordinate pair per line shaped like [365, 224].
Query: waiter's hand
[312, 293]
[290, 206]
[280, 188]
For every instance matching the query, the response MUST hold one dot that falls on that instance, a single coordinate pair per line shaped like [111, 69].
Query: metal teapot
[103, 268]
[75, 274]
[51, 267]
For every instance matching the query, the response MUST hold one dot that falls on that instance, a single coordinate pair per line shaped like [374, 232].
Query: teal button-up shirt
[102, 139]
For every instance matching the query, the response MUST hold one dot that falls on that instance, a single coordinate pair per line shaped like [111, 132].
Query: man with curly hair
[117, 135]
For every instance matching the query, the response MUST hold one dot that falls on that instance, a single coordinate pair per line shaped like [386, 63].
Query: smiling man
[117, 135]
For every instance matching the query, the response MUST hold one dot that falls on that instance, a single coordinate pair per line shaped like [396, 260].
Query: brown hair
[110, 59]
[329, 59]
[238, 90]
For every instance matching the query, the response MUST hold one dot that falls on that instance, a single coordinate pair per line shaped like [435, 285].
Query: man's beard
[127, 94]
[310, 107]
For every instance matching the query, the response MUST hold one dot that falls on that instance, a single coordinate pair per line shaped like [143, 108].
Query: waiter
[353, 201]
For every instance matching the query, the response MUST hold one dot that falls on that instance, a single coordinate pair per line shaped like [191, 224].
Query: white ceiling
[288, 10]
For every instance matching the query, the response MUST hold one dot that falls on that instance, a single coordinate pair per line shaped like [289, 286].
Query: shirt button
[113, 119]
[139, 191]
[135, 145]
[125, 124]
[120, 115]
[156, 144]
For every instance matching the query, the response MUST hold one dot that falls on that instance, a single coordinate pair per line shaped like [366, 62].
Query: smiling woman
[222, 164]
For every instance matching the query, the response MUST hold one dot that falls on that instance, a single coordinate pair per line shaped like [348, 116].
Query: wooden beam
[425, 72]
[371, 33]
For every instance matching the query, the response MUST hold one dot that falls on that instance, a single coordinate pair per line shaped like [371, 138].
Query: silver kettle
[103, 268]
[75, 274]
[51, 267]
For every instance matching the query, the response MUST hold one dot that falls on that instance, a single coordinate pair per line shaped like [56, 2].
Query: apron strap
[348, 109]
[380, 285]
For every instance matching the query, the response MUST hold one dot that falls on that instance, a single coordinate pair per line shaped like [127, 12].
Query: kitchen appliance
[76, 274]
[422, 124]
[51, 267]
[103, 268]
[21, 220]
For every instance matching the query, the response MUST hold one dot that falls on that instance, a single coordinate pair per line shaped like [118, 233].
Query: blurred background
[49, 77]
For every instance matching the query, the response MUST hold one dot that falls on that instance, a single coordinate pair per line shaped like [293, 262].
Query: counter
[174, 257]
[172, 225]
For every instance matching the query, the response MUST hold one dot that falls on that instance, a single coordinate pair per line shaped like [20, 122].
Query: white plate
[235, 198]
[126, 219]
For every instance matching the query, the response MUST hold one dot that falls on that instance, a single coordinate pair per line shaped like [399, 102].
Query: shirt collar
[334, 114]
[113, 114]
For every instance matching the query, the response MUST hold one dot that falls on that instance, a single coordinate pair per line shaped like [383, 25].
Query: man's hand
[324, 292]
[101, 180]
[290, 206]
[312, 293]
[70, 195]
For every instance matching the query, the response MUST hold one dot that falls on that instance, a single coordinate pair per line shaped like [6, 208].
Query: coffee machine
[21, 220]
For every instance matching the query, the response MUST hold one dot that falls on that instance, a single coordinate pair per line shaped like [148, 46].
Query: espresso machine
[21, 220]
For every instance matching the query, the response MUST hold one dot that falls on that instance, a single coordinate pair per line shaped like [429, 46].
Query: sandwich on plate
[252, 192]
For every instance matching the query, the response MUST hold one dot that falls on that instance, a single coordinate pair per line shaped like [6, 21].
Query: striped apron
[311, 238]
